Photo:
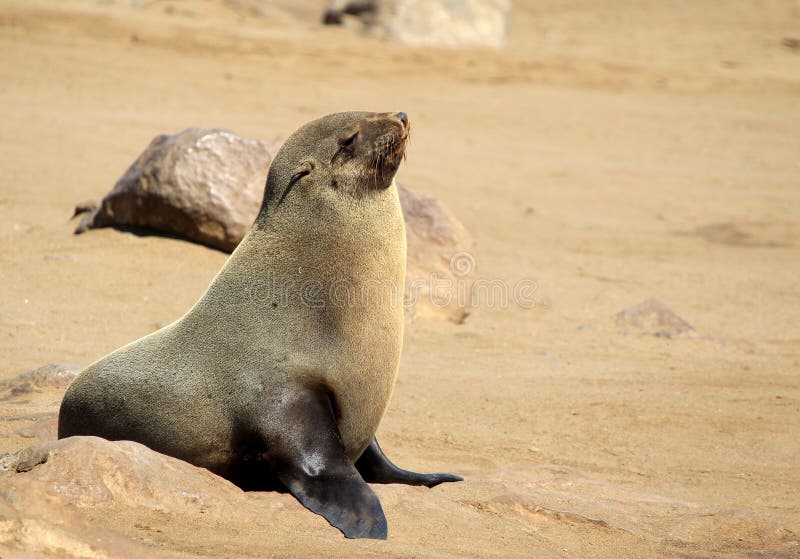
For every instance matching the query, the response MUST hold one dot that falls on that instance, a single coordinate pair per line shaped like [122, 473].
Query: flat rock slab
[92, 472]
[206, 186]
[88, 497]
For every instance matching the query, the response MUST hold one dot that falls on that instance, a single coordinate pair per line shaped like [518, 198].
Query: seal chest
[284, 368]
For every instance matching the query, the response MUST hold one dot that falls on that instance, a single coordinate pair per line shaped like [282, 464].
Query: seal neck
[337, 266]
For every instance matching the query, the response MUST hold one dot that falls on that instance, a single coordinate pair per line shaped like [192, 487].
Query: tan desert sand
[612, 152]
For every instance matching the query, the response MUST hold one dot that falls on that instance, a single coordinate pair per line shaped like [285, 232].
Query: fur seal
[271, 379]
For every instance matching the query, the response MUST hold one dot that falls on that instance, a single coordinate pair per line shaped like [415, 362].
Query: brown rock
[88, 497]
[52, 493]
[440, 259]
[206, 186]
[427, 22]
[90, 472]
[29, 404]
[202, 185]
[654, 318]
[53, 376]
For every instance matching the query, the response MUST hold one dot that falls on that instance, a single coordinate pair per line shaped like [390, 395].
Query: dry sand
[614, 151]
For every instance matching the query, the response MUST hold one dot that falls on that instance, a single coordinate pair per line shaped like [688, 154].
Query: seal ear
[304, 169]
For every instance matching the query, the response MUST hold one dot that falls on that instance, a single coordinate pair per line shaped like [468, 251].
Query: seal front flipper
[375, 467]
[305, 450]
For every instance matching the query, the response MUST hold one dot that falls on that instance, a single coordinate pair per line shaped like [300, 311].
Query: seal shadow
[256, 477]
[144, 232]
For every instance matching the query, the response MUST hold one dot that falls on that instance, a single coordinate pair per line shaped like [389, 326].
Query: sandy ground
[614, 151]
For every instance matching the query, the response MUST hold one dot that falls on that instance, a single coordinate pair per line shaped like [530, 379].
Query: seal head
[358, 152]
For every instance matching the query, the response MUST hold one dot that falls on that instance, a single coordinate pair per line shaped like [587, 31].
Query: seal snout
[405, 131]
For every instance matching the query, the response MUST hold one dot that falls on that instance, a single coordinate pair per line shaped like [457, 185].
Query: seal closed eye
[272, 378]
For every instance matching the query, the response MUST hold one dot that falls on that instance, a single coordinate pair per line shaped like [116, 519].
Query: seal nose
[403, 118]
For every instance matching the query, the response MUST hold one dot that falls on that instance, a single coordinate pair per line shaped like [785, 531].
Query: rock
[449, 23]
[206, 186]
[91, 472]
[365, 10]
[653, 318]
[440, 259]
[53, 376]
[202, 185]
[549, 494]
[55, 495]
[29, 405]
[88, 497]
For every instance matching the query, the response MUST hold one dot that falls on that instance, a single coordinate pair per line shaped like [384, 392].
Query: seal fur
[271, 378]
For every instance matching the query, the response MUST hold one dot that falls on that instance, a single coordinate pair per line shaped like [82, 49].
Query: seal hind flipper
[91, 209]
[306, 452]
[375, 467]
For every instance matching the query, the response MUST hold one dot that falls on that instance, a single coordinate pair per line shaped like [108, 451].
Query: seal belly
[364, 381]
